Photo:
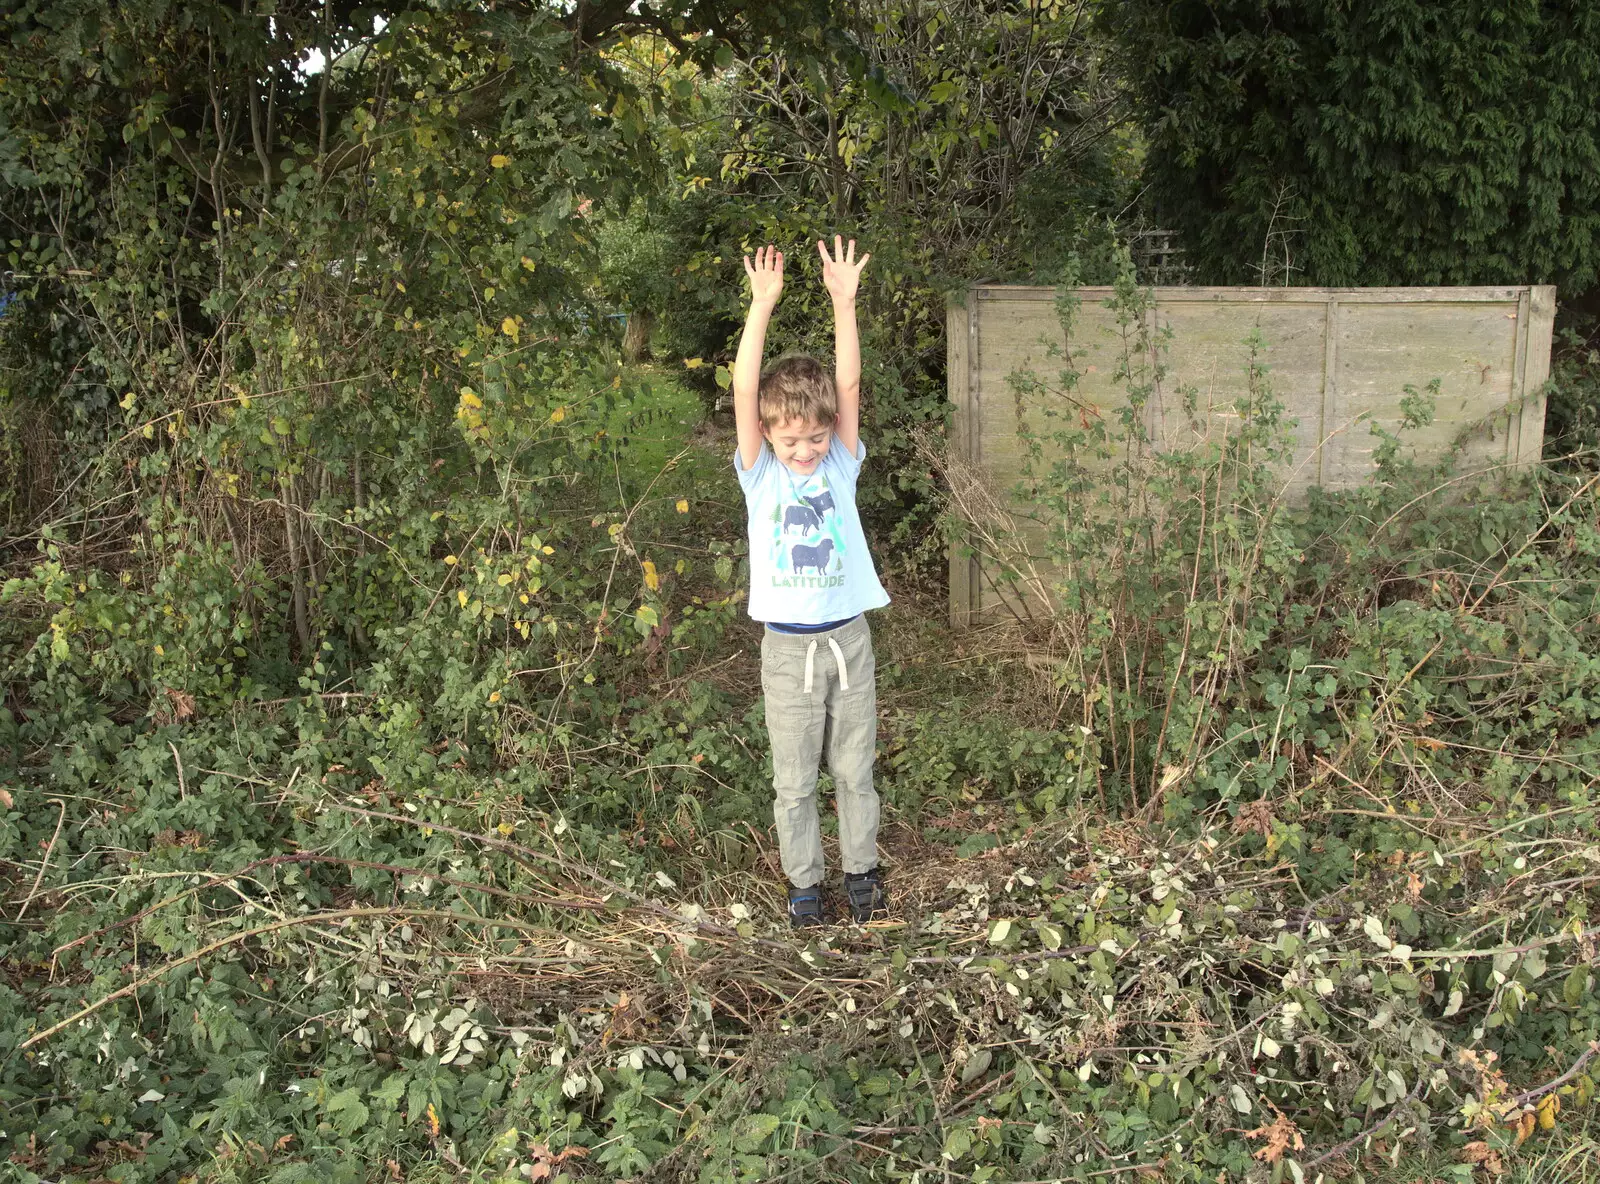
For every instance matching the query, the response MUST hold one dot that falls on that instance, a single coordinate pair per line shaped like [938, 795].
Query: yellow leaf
[469, 398]
[508, 829]
[693, 363]
[1549, 1107]
[558, 415]
[399, 285]
[510, 329]
[505, 578]
[499, 160]
[160, 651]
[523, 598]
[549, 550]
[528, 263]
[451, 560]
[652, 581]
[1524, 1127]
[126, 402]
[495, 698]
[461, 597]
[683, 505]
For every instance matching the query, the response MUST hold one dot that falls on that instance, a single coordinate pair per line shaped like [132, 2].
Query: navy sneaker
[865, 892]
[805, 907]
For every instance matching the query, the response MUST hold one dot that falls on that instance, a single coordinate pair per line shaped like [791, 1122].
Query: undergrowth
[1265, 852]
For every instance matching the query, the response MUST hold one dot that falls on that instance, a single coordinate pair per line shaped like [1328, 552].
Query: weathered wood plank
[959, 324]
[1536, 359]
[1466, 295]
[1471, 349]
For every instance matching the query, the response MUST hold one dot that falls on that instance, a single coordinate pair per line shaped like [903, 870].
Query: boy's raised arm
[841, 275]
[766, 285]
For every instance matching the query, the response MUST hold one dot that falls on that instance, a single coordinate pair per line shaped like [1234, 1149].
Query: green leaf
[645, 619]
[982, 840]
[753, 1130]
[388, 1094]
[347, 1112]
[1575, 986]
[977, 1065]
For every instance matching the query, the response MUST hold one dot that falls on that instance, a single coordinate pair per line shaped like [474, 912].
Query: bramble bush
[1385, 666]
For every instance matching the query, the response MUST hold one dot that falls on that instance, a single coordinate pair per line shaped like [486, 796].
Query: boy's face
[800, 444]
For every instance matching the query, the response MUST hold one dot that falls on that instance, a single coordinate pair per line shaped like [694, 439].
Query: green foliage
[381, 784]
[1572, 422]
[635, 267]
[349, 408]
[952, 140]
[1224, 646]
[1402, 142]
[388, 988]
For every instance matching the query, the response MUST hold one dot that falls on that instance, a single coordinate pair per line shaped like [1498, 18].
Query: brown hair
[798, 387]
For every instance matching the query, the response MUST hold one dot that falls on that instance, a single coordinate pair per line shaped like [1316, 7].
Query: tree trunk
[636, 338]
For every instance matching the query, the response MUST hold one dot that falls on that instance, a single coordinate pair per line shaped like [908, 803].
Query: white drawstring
[838, 662]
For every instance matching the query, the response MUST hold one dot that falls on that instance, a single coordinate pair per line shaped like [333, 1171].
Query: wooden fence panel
[1338, 358]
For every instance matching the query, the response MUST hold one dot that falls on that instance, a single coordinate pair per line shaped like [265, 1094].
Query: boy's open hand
[766, 276]
[840, 272]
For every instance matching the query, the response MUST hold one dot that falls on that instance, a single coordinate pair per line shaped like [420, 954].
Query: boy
[811, 581]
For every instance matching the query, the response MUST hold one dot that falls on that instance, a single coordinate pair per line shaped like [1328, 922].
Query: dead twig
[61, 817]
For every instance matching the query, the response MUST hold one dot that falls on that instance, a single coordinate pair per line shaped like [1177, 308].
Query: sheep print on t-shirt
[809, 562]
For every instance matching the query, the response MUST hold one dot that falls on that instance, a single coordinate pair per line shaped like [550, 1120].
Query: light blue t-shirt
[809, 562]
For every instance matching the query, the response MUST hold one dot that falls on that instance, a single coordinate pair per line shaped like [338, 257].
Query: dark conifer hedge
[1390, 142]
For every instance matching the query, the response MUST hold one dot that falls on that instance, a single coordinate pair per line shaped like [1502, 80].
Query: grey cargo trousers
[822, 695]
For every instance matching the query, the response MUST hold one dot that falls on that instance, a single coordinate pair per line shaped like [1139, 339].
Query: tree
[286, 318]
[1397, 142]
[942, 132]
